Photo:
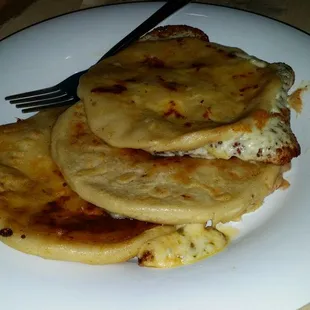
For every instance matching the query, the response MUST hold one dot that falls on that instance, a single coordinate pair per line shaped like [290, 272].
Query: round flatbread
[188, 96]
[41, 215]
[172, 190]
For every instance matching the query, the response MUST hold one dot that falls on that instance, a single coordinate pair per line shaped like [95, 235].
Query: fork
[65, 93]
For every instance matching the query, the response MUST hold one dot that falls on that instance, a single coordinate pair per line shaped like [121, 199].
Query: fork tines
[41, 99]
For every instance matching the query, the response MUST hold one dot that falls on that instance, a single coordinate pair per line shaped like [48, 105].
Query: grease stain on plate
[295, 99]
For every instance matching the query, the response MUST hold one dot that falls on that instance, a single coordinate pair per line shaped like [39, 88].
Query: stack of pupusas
[172, 136]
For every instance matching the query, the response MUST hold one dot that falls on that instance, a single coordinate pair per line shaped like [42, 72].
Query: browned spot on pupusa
[170, 85]
[131, 80]
[6, 232]
[113, 89]
[207, 114]
[135, 155]
[85, 223]
[58, 173]
[165, 161]
[243, 75]
[78, 131]
[172, 111]
[180, 41]
[231, 55]
[243, 89]
[146, 256]
[198, 65]
[186, 168]
[153, 62]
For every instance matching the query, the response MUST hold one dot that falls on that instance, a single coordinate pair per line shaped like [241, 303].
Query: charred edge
[6, 232]
[231, 55]
[285, 154]
[167, 32]
[146, 256]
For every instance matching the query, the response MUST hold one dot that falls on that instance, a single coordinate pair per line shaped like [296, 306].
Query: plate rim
[228, 11]
[152, 2]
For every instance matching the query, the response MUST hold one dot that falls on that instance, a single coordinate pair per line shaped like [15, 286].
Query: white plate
[268, 268]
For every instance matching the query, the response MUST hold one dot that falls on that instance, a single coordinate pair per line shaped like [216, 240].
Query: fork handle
[162, 13]
[166, 10]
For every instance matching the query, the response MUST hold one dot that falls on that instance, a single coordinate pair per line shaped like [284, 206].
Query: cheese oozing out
[190, 243]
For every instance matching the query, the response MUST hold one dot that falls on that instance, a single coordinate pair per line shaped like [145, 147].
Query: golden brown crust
[41, 215]
[87, 223]
[164, 190]
[234, 107]
[287, 153]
